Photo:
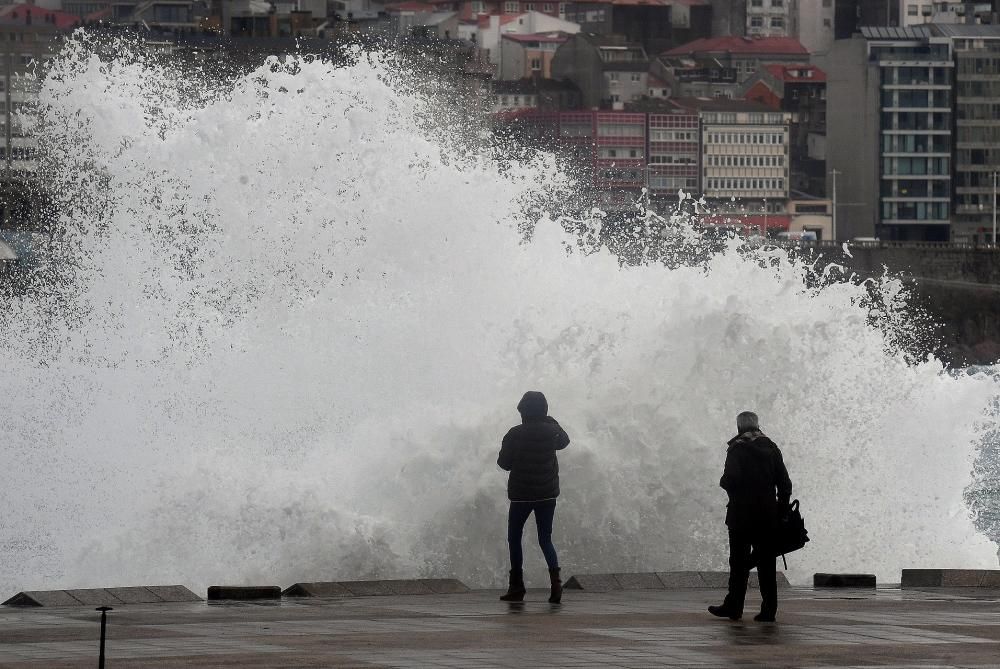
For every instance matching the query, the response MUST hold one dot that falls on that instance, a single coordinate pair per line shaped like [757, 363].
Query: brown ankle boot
[515, 591]
[556, 595]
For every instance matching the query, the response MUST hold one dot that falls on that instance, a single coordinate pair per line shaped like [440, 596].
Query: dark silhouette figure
[759, 489]
[528, 452]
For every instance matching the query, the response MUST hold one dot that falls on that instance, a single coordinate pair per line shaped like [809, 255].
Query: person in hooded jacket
[528, 452]
[759, 491]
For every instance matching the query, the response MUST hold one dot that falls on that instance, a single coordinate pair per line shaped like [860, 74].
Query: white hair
[747, 420]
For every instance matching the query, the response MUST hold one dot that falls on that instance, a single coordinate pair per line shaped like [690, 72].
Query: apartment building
[491, 33]
[769, 18]
[689, 77]
[29, 36]
[814, 23]
[801, 91]
[744, 152]
[529, 55]
[745, 55]
[889, 126]
[657, 25]
[918, 12]
[977, 130]
[609, 71]
[673, 153]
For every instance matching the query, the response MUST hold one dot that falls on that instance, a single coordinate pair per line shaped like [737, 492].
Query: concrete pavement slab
[885, 627]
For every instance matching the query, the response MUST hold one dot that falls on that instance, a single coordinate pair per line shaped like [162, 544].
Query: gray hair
[747, 420]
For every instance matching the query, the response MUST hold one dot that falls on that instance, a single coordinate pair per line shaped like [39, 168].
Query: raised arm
[561, 438]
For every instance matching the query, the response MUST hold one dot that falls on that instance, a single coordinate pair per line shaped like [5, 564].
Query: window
[529, 7]
[926, 10]
[562, 9]
[511, 7]
[478, 7]
[827, 23]
[636, 76]
[547, 7]
[911, 10]
[756, 21]
[613, 76]
[536, 64]
[777, 22]
[777, 3]
[756, 3]
[828, 3]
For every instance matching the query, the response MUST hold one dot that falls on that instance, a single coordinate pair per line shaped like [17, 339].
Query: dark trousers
[544, 513]
[749, 548]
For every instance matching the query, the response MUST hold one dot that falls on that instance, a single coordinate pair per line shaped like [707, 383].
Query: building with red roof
[33, 15]
[801, 91]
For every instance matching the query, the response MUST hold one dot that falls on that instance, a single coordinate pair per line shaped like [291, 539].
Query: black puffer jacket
[528, 452]
[756, 480]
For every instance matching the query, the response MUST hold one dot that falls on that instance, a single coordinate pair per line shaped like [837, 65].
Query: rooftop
[785, 46]
[896, 33]
[720, 104]
[649, 3]
[967, 30]
[411, 7]
[38, 16]
[796, 73]
[552, 37]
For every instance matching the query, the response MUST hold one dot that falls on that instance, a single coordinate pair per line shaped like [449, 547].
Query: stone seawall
[958, 286]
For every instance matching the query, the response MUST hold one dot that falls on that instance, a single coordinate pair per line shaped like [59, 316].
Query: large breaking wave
[292, 321]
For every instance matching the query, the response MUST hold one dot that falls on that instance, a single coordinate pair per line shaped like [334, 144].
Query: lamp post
[995, 208]
[763, 233]
[833, 218]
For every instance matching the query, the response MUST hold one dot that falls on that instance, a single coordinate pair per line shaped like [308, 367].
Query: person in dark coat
[759, 490]
[528, 452]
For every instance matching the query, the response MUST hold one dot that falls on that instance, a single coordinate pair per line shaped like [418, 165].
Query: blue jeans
[518, 516]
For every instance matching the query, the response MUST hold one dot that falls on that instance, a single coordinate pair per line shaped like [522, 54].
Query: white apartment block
[813, 23]
[745, 155]
[769, 18]
[917, 12]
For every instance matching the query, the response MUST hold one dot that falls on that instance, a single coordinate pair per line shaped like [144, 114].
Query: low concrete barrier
[243, 592]
[417, 586]
[660, 580]
[950, 578]
[843, 580]
[149, 594]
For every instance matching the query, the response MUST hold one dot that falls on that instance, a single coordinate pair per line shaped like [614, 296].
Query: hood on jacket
[533, 405]
[749, 436]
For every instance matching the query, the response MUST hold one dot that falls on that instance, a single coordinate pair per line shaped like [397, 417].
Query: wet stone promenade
[662, 628]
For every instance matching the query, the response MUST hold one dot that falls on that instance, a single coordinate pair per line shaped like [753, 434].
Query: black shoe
[723, 612]
[764, 617]
[555, 596]
[515, 591]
